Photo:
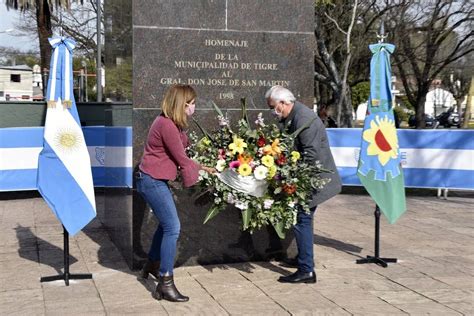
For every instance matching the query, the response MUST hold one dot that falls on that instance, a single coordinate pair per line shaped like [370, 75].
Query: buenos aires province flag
[64, 168]
[379, 167]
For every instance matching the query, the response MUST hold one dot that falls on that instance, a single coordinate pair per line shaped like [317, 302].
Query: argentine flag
[64, 167]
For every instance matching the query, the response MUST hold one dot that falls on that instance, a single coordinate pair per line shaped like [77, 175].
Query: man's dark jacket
[313, 145]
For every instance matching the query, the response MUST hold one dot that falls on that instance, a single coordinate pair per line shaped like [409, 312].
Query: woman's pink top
[165, 152]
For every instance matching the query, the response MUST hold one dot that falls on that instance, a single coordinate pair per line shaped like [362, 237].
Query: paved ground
[433, 242]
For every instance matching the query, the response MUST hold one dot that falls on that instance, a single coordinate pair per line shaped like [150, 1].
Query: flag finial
[381, 34]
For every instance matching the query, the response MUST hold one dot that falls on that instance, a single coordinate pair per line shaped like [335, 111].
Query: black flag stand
[66, 276]
[376, 259]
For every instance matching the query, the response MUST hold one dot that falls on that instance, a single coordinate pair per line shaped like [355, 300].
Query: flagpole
[376, 259]
[66, 276]
[76, 207]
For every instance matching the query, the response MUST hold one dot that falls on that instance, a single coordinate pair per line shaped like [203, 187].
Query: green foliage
[118, 81]
[16, 57]
[404, 102]
[264, 157]
[360, 93]
[77, 64]
[401, 114]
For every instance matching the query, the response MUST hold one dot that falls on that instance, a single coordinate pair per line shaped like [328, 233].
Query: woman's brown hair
[174, 103]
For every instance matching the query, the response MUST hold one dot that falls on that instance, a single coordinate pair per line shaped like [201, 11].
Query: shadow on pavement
[336, 244]
[33, 248]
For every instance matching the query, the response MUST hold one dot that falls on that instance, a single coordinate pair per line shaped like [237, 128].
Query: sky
[8, 18]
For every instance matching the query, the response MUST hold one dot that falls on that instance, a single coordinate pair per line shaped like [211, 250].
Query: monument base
[131, 225]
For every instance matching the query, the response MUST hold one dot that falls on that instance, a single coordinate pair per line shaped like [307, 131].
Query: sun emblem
[67, 139]
[382, 139]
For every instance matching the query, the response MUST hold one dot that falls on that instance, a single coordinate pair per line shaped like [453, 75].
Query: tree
[12, 56]
[343, 30]
[43, 10]
[360, 93]
[327, 70]
[470, 97]
[429, 35]
[457, 80]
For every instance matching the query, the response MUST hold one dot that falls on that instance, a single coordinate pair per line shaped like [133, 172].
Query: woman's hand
[209, 169]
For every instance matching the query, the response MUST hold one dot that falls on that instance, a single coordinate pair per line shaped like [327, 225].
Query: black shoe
[299, 277]
[168, 291]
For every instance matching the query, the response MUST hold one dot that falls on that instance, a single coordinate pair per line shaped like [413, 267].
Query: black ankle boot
[150, 267]
[168, 291]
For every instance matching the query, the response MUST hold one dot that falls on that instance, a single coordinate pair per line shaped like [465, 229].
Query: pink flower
[221, 154]
[234, 164]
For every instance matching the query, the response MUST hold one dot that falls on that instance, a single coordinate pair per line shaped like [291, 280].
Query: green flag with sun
[379, 168]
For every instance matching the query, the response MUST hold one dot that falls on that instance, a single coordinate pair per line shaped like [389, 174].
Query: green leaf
[280, 229]
[216, 108]
[213, 211]
[246, 216]
[203, 130]
[243, 105]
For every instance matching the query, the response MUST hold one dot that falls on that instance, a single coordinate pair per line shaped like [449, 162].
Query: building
[16, 83]
[438, 101]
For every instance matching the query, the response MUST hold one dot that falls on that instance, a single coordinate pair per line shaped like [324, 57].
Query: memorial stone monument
[227, 50]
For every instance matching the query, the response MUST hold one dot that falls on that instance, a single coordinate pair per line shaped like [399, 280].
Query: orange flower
[289, 188]
[244, 158]
[272, 149]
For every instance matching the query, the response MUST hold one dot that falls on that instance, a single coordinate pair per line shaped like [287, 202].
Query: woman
[163, 155]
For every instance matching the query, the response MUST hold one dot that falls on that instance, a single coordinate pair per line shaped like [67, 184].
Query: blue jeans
[303, 231]
[158, 195]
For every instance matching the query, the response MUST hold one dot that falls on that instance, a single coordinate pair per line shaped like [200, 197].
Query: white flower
[259, 121]
[220, 165]
[223, 121]
[291, 204]
[241, 205]
[260, 172]
[230, 198]
[267, 204]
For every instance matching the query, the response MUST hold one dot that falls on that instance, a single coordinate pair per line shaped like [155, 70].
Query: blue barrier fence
[430, 158]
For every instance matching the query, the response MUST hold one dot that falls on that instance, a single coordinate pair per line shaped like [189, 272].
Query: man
[312, 143]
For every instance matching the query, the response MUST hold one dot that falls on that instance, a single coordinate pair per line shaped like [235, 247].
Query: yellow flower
[268, 161]
[245, 170]
[238, 146]
[272, 149]
[295, 156]
[203, 143]
[272, 171]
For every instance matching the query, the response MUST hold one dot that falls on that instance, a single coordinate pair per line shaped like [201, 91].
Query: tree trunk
[346, 117]
[43, 20]
[345, 114]
[420, 107]
[467, 111]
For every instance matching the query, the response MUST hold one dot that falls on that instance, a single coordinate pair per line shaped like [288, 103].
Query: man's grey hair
[279, 93]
